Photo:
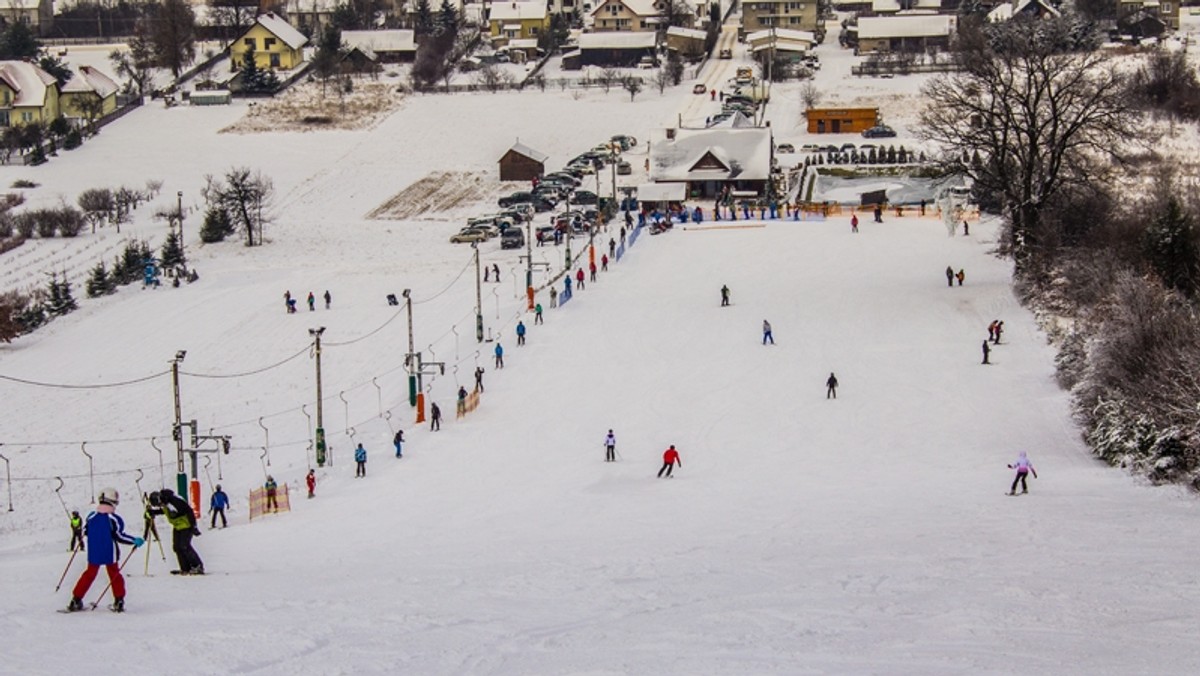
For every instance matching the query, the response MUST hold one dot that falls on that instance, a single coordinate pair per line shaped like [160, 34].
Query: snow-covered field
[870, 534]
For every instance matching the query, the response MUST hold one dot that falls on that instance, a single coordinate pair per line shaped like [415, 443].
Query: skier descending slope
[1023, 467]
[104, 530]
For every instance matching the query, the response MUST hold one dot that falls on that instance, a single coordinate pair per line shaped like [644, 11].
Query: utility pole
[613, 168]
[478, 297]
[316, 334]
[408, 358]
[177, 432]
[567, 218]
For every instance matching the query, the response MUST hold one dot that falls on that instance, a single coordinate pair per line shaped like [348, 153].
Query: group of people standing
[289, 303]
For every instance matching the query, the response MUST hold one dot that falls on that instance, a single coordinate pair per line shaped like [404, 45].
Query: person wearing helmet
[104, 529]
[217, 506]
[183, 528]
[76, 532]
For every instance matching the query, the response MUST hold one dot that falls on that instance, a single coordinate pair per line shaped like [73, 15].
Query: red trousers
[114, 576]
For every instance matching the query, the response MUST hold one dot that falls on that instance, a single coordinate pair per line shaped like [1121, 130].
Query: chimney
[671, 134]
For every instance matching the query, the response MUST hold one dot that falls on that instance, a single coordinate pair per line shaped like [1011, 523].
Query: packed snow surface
[870, 534]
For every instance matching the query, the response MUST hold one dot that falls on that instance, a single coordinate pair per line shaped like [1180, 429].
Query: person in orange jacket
[670, 459]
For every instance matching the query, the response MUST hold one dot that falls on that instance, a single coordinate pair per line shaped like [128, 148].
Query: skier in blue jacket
[104, 529]
[520, 333]
[217, 505]
[360, 460]
[499, 356]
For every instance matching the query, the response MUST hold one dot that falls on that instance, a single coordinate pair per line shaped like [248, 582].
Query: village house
[517, 21]
[522, 163]
[631, 15]
[1166, 11]
[28, 94]
[1037, 9]
[893, 7]
[37, 15]
[388, 46]
[760, 14]
[687, 42]
[88, 95]
[904, 33]
[709, 162]
[275, 43]
[784, 43]
[616, 48]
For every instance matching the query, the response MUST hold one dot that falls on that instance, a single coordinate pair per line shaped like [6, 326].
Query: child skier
[271, 488]
[311, 481]
[1023, 467]
[76, 532]
[398, 442]
[104, 530]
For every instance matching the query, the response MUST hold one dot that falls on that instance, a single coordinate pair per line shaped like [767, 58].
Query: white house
[710, 161]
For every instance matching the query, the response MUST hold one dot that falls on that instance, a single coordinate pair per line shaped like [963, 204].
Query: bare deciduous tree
[810, 96]
[243, 195]
[632, 84]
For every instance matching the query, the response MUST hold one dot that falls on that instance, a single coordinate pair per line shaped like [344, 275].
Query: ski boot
[75, 605]
[118, 606]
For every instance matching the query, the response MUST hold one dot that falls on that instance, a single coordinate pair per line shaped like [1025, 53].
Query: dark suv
[879, 131]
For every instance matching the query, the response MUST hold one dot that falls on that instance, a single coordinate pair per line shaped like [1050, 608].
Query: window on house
[249, 42]
[533, 30]
[26, 116]
[275, 61]
[614, 9]
[268, 43]
[1166, 8]
[623, 23]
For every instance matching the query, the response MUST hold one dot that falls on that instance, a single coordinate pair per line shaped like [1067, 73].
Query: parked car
[785, 148]
[512, 238]
[585, 168]
[584, 197]
[810, 148]
[625, 140]
[726, 54]
[699, 88]
[471, 234]
[563, 176]
[879, 131]
[624, 168]
[515, 198]
[519, 213]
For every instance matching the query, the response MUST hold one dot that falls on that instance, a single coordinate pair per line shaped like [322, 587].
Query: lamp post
[316, 334]
[180, 470]
[478, 297]
[408, 358]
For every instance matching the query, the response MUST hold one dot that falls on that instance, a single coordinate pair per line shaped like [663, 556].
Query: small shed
[210, 97]
[841, 120]
[522, 163]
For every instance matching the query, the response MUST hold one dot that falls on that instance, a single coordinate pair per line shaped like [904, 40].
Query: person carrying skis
[183, 523]
[610, 447]
[520, 333]
[499, 356]
[360, 461]
[328, 299]
[311, 481]
[217, 505]
[272, 490]
[670, 459]
[312, 302]
[435, 417]
[76, 533]
[831, 386]
[537, 314]
[104, 529]
[724, 296]
[767, 333]
[398, 442]
[1023, 467]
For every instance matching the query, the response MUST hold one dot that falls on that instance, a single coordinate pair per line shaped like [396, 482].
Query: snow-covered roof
[522, 149]
[381, 41]
[28, 82]
[694, 33]
[281, 29]
[523, 43]
[715, 154]
[781, 34]
[662, 192]
[881, 6]
[874, 27]
[88, 79]
[517, 11]
[638, 7]
[1007, 10]
[736, 121]
[618, 40]
[782, 46]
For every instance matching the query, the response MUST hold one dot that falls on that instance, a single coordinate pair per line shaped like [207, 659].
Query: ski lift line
[470, 262]
[77, 442]
[56, 477]
[366, 335]
[247, 373]
[69, 386]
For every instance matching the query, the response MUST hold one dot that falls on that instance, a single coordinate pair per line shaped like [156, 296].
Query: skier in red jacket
[670, 458]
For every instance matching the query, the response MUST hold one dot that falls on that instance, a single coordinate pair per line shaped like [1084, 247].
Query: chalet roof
[638, 7]
[712, 154]
[517, 11]
[88, 79]
[280, 28]
[876, 27]
[381, 42]
[1007, 10]
[28, 82]
[694, 33]
[618, 40]
[522, 149]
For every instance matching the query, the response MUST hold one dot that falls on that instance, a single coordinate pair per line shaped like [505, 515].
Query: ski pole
[67, 569]
[109, 585]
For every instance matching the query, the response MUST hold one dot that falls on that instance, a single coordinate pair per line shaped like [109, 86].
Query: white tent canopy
[662, 192]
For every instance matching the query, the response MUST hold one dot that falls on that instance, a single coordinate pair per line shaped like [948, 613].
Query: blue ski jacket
[520, 329]
[360, 454]
[104, 530]
[219, 500]
[499, 350]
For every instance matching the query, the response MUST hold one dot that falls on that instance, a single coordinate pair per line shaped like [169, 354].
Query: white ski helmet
[109, 496]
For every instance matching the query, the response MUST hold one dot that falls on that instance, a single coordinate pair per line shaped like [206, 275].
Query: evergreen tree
[61, 300]
[424, 21]
[1171, 247]
[447, 19]
[31, 316]
[172, 251]
[217, 226]
[17, 42]
[99, 283]
[255, 79]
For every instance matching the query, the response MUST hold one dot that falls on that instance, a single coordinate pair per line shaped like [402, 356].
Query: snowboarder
[992, 330]
[435, 418]
[1023, 467]
[579, 279]
[592, 272]
[360, 461]
[670, 458]
[499, 356]
[520, 333]
[104, 530]
[76, 533]
[217, 505]
[961, 276]
[537, 314]
[767, 333]
[610, 447]
[999, 330]
[312, 302]
[949, 276]
[553, 296]
[183, 523]
[398, 443]
[328, 299]
[310, 480]
[831, 386]
[986, 351]
[462, 402]
[479, 378]
[724, 295]
[603, 263]
[854, 223]
[272, 490]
